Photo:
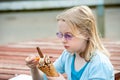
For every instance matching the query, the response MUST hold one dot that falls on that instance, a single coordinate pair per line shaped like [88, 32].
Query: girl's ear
[88, 39]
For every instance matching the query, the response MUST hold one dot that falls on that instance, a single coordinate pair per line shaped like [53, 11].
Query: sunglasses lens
[68, 36]
[59, 34]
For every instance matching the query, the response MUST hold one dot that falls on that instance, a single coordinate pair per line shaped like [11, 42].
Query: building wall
[23, 26]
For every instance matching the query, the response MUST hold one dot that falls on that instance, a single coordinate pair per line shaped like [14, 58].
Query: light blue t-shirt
[99, 67]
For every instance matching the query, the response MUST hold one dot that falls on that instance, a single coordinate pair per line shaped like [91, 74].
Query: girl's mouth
[66, 47]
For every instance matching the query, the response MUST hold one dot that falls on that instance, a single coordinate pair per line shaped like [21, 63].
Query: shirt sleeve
[45, 77]
[60, 63]
[101, 71]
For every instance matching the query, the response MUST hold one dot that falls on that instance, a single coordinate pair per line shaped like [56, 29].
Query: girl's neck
[79, 62]
[78, 56]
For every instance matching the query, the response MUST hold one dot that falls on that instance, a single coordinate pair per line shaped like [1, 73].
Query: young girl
[84, 57]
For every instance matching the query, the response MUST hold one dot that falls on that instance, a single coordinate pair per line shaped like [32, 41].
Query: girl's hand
[60, 77]
[31, 61]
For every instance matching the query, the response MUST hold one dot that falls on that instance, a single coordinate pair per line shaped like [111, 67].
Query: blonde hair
[81, 21]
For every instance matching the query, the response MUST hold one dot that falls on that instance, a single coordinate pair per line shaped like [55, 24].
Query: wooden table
[12, 56]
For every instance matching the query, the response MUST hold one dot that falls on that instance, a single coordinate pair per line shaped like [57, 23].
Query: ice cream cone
[49, 70]
[45, 65]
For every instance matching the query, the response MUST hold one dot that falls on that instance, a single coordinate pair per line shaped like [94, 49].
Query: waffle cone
[49, 70]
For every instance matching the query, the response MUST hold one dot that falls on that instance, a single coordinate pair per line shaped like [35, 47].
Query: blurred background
[23, 20]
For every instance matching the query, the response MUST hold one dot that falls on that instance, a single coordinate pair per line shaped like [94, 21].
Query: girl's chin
[72, 52]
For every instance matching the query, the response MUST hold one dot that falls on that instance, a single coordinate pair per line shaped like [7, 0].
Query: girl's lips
[66, 47]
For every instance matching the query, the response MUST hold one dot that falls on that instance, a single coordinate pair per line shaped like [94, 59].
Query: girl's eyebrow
[68, 32]
[65, 32]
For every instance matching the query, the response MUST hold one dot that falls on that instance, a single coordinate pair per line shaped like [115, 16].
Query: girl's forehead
[63, 27]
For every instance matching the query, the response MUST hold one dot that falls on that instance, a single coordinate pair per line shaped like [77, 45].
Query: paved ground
[23, 26]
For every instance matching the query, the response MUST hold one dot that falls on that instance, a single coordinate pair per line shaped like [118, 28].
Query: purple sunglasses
[67, 36]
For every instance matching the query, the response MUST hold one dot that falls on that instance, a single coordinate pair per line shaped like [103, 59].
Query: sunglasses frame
[67, 35]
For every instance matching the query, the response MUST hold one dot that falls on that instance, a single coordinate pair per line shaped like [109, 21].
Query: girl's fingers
[31, 65]
[30, 58]
[31, 61]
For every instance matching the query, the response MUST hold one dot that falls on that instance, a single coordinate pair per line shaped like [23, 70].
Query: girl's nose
[63, 40]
